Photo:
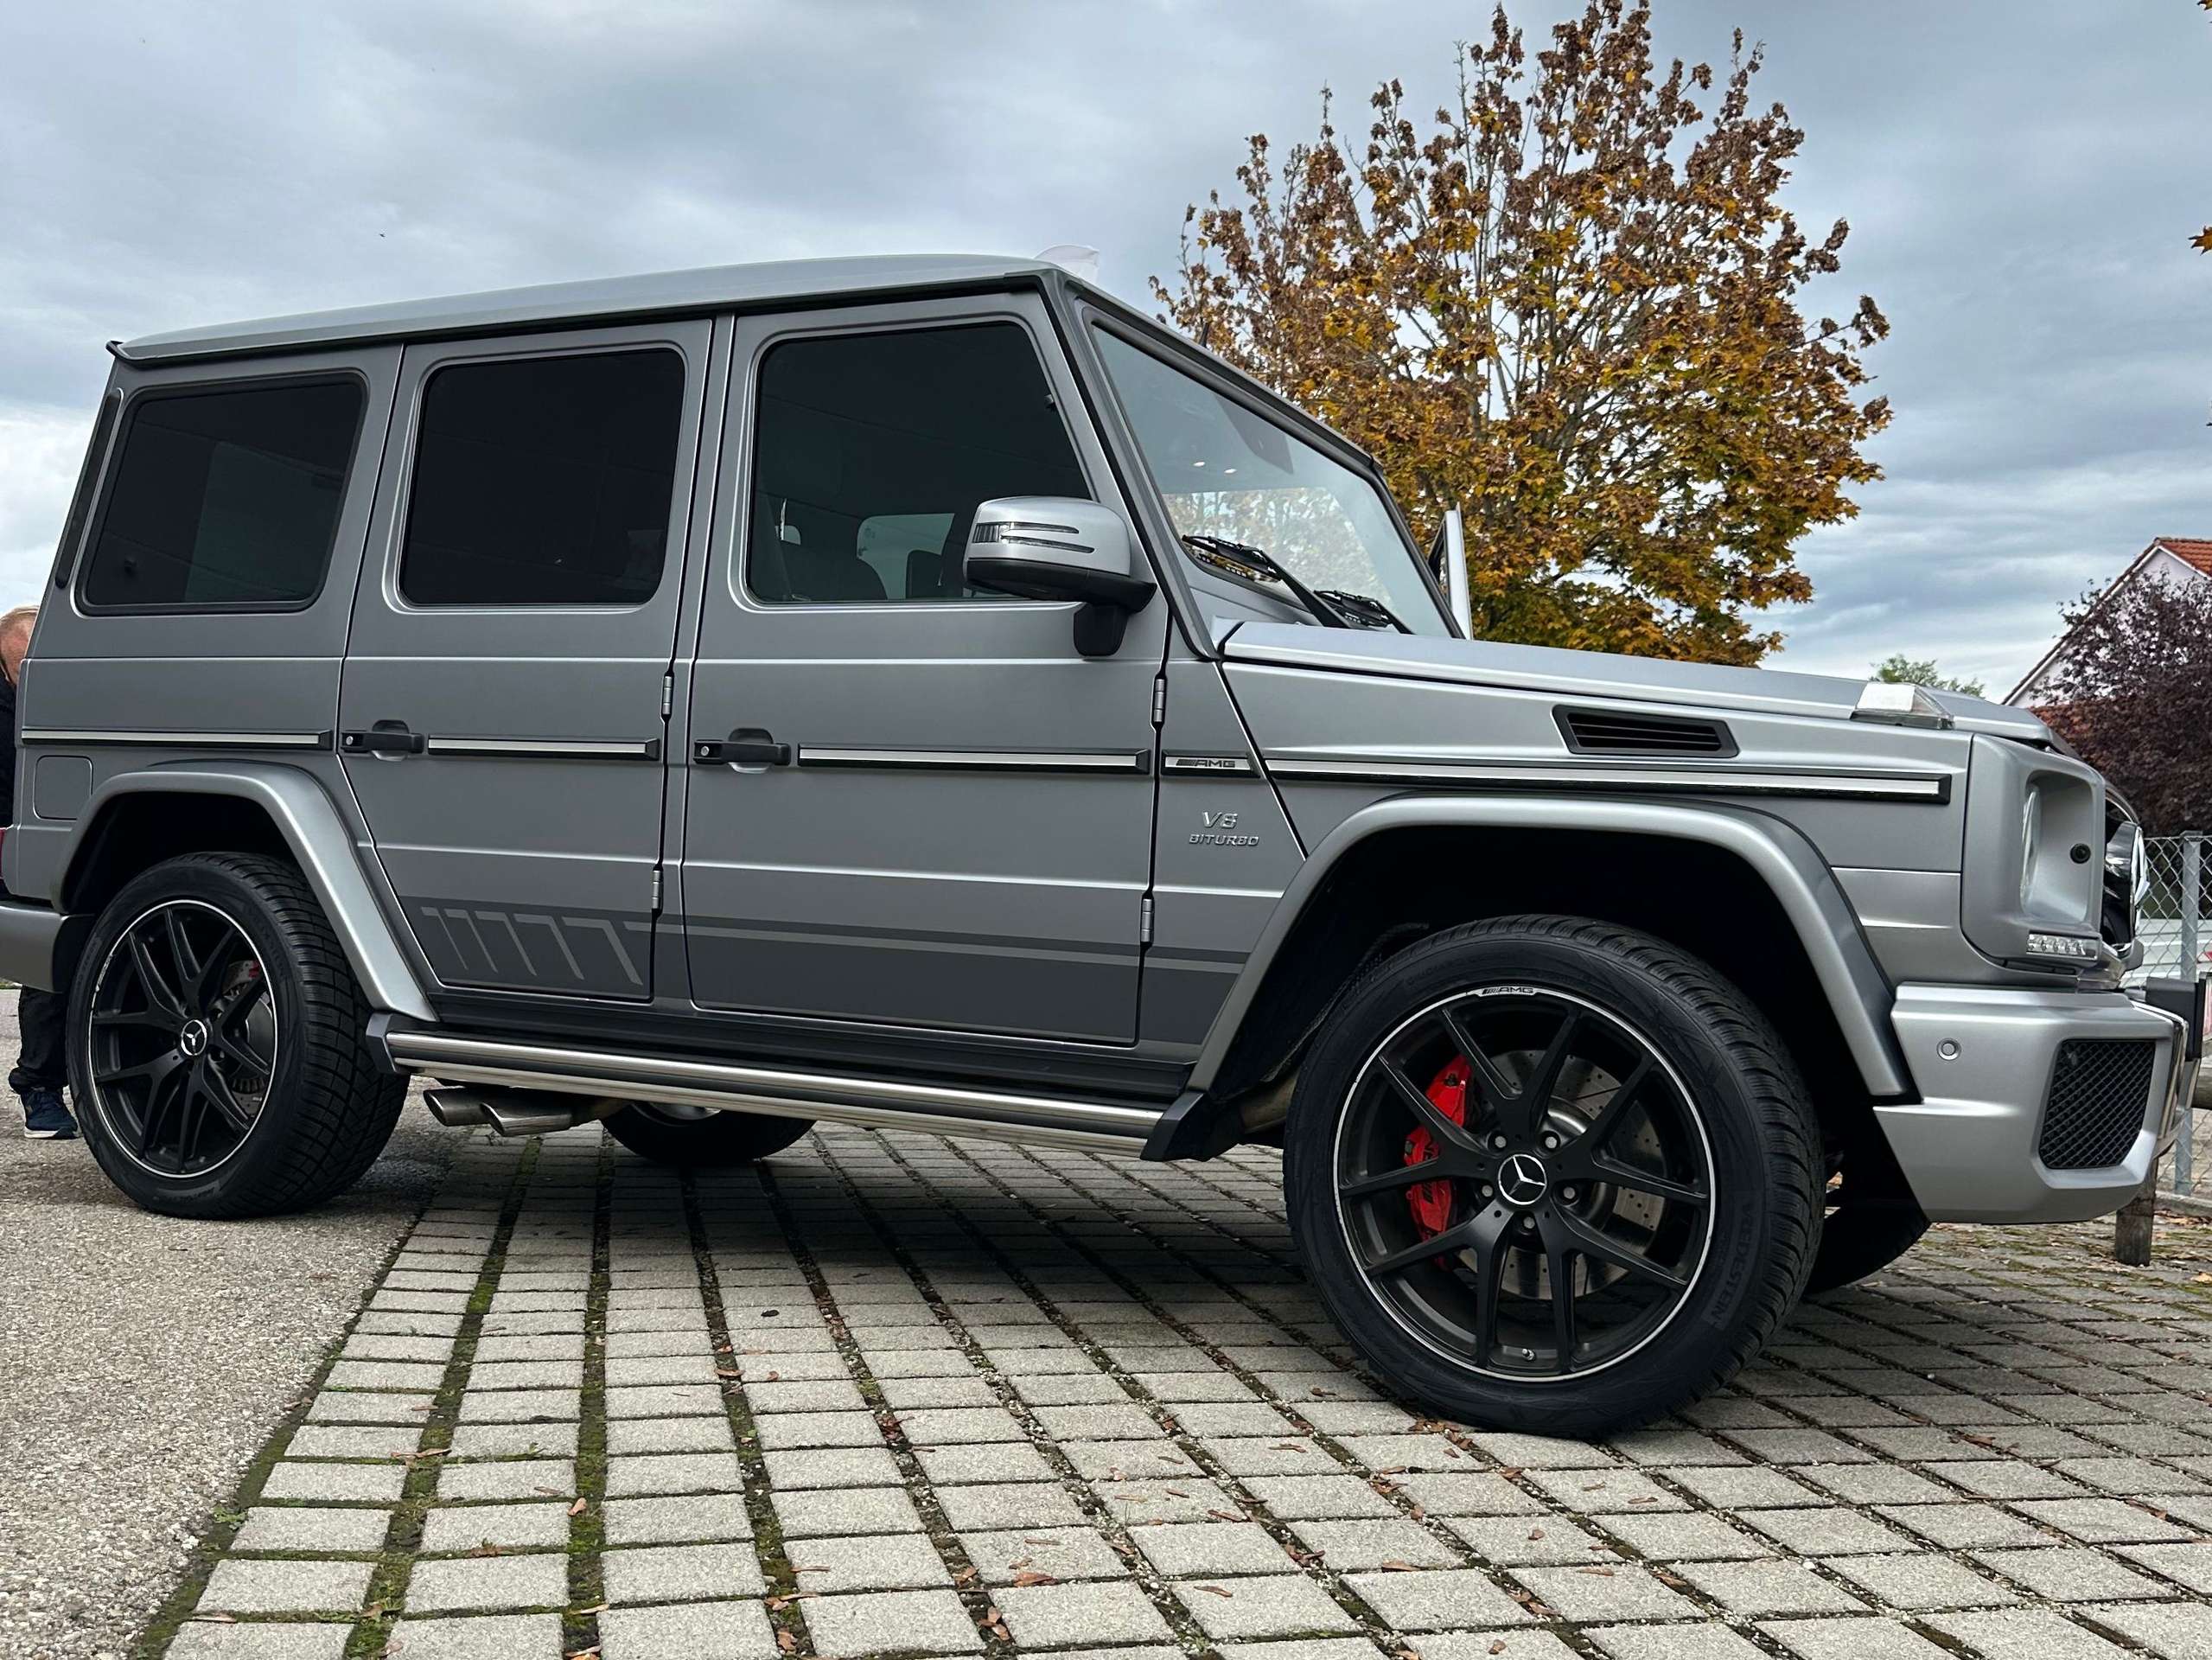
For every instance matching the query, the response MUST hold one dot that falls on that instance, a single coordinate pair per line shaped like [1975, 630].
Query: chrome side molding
[870, 1103]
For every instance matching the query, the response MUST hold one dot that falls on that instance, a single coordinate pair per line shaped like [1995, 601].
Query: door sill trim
[870, 1103]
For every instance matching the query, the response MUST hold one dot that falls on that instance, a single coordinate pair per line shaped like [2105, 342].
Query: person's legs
[42, 1069]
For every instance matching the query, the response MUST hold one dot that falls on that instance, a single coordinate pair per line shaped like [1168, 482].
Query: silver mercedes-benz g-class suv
[927, 693]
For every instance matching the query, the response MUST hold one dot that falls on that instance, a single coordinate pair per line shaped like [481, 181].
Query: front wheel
[1552, 1175]
[701, 1137]
[216, 1043]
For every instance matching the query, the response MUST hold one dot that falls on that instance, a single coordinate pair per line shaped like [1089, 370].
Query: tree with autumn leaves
[1570, 306]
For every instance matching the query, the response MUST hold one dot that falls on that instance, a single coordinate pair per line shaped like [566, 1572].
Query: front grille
[2100, 1091]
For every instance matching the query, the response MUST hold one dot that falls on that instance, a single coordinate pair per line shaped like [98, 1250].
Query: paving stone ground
[890, 1394]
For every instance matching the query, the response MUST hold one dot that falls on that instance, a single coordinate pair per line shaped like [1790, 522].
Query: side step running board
[873, 1103]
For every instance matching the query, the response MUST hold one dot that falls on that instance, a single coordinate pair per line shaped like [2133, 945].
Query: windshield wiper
[1371, 611]
[1263, 563]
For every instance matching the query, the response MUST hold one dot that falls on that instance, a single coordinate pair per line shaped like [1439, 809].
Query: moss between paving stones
[967, 1581]
[227, 1518]
[767, 1530]
[1171, 1611]
[1186, 1626]
[374, 1633]
[588, 1525]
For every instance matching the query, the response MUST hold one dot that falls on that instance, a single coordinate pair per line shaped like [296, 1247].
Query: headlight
[2127, 884]
[2032, 885]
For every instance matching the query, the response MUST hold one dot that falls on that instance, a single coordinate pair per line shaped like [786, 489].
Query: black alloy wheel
[1524, 1182]
[1553, 1174]
[183, 1038]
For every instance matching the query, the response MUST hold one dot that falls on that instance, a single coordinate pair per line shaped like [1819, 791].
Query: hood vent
[1612, 731]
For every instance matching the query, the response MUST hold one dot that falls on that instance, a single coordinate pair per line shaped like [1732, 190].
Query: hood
[1592, 673]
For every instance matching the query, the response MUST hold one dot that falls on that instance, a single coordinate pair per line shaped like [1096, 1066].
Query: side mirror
[1058, 547]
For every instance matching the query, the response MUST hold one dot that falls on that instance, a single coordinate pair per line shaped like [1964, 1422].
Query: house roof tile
[2191, 550]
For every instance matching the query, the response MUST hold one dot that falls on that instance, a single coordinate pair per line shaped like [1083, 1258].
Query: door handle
[747, 746]
[386, 737]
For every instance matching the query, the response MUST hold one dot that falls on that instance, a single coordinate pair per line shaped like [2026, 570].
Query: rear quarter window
[225, 498]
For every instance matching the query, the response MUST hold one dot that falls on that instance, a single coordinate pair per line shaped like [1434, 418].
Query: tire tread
[1789, 1132]
[343, 1108]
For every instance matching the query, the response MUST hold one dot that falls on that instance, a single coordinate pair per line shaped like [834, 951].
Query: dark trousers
[42, 1065]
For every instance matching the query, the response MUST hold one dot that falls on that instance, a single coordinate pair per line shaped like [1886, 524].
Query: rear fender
[307, 820]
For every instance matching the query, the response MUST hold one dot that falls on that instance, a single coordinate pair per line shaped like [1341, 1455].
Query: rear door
[959, 837]
[502, 713]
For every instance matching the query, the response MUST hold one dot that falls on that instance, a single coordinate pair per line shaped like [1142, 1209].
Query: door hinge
[656, 892]
[1144, 922]
[1159, 700]
[668, 695]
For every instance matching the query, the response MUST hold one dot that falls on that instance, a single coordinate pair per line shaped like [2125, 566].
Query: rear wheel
[1551, 1174]
[702, 1138]
[216, 1043]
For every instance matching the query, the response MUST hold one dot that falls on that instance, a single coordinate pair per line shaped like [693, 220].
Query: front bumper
[1985, 1060]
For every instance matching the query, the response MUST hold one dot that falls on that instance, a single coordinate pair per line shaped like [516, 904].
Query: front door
[501, 713]
[941, 817]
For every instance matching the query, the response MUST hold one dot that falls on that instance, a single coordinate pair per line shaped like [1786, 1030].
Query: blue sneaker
[45, 1118]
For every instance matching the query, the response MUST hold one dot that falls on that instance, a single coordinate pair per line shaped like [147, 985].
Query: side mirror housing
[1060, 547]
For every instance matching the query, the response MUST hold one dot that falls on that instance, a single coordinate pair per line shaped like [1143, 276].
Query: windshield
[1226, 472]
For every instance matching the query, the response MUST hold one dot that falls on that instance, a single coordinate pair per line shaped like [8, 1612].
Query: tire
[712, 1141]
[242, 1085]
[1859, 1240]
[1677, 1198]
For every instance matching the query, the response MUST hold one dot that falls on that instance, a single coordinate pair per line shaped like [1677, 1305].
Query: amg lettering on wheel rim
[181, 1038]
[1525, 1185]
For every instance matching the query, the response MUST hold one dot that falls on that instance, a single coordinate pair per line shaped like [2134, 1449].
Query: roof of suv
[708, 288]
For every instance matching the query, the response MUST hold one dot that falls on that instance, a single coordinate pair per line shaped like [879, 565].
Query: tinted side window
[875, 449]
[226, 498]
[544, 480]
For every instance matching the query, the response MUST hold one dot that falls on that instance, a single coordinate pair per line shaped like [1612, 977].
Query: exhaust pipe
[516, 1111]
[457, 1109]
[522, 1115]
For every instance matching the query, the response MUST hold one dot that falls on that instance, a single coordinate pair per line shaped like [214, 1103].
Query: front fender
[305, 816]
[1858, 993]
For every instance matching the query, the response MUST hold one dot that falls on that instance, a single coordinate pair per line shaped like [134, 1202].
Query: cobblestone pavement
[148, 1359]
[895, 1394]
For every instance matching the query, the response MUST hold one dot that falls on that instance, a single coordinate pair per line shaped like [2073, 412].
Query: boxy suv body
[927, 693]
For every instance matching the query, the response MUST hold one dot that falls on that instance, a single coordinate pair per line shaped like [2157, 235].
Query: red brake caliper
[1430, 1202]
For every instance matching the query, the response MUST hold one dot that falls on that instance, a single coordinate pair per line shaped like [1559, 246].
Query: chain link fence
[2176, 928]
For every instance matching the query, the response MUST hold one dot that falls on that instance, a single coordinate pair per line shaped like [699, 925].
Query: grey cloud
[2021, 176]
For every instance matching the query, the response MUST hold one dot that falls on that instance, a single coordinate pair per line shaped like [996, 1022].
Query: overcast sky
[2021, 177]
